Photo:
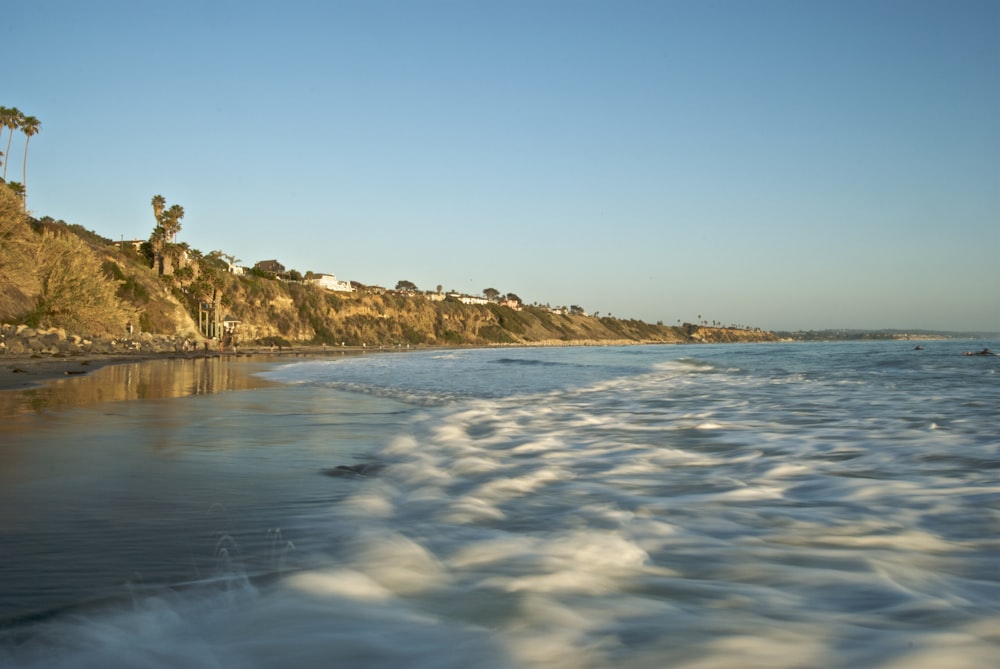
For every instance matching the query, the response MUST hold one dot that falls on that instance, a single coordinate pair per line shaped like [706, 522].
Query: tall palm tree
[10, 118]
[4, 111]
[158, 240]
[172, 221]
[159, 203]
[29, 126]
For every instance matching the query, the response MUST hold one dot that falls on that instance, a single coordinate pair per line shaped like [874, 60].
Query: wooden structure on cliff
[209, 320]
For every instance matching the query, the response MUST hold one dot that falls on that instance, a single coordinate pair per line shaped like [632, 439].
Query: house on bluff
[330, 282]
[272, 266]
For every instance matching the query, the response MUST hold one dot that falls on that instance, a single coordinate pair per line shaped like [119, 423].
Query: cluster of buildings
[328, 281]
[331, 282]
[473, 299]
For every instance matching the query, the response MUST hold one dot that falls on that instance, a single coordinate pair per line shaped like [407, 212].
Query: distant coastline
[879, 335]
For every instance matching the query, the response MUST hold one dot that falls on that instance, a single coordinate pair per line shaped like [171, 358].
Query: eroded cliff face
[308, 315]
[305, 314]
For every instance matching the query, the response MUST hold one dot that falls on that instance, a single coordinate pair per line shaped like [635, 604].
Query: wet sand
[20, 372]
[23, 372]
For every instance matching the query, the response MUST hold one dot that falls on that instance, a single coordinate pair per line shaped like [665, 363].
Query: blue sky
[783, 164]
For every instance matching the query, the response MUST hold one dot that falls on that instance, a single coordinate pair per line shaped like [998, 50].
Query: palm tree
[157, 241]
[230, 259]
[4, 111]
[10, 117]
[29, 126]
[159, 203]
[172, 221]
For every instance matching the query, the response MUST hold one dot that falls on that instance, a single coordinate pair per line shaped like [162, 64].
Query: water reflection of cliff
[153, 379]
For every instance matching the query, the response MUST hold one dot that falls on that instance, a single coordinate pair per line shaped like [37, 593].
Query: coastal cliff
[58, 276]
[305, 314]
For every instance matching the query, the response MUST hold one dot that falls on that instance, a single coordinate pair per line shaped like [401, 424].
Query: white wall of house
[330, 282]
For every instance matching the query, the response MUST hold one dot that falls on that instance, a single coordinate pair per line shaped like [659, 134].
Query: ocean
[790, 505]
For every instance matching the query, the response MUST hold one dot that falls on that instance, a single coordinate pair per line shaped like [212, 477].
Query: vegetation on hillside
[51, 276]
[57, 275]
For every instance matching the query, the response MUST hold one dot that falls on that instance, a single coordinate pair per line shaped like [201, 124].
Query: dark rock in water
[363, 469]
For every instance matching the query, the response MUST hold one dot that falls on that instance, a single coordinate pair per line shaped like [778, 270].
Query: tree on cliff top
[159, 204]
[30, 126]
[10, 118]
[168, 224]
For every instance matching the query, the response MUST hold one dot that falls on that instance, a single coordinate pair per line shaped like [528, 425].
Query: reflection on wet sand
[151, 379]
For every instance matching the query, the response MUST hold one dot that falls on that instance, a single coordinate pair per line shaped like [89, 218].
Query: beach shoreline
[27, 371]
[24, 371]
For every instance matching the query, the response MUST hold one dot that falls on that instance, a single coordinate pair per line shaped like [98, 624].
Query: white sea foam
[625, 508]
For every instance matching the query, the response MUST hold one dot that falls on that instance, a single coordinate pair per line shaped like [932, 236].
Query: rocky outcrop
[24, 340]
[713, 335]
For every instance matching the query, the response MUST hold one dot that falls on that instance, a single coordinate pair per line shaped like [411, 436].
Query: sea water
[779, 505]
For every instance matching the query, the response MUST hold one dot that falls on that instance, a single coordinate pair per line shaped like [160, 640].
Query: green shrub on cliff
[74, 293]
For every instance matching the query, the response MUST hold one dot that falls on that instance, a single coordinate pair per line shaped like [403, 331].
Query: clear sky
[778, 163]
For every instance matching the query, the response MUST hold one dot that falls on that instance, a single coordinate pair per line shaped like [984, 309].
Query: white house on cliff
[330, 282]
